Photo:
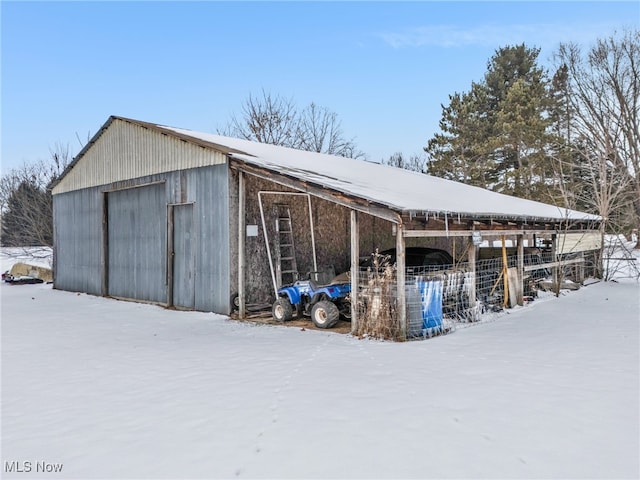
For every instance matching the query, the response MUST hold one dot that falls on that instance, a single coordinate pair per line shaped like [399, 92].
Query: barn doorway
[137, 243]
[182, 266]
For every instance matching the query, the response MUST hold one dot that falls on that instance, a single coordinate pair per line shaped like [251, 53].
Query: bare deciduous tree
[604, 97]
[415, 163]
[26, 203]
[269, 119]
[321, 131]
[276, 120]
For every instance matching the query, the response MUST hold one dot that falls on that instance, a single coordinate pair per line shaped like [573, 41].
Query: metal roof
[400, 190]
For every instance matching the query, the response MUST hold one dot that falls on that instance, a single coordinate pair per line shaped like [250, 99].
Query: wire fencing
[439, 299]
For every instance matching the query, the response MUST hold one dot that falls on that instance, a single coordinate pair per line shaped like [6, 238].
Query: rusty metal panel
[78, 241]
[126, 150]
[137, 243]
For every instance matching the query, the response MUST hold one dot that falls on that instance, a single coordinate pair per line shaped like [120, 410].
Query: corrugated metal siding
[209, 188]
[78, 241]
[185, 239]
[126, 151]
[138, 243]
[137, 237]
[579, 242]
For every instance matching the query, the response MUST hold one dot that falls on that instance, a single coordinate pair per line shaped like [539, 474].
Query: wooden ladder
[285, 252]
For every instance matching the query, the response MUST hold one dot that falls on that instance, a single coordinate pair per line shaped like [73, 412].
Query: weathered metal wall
[77, 238]
[126, 150]
[137, 231]
[137, 238]
[185, 241]
[212, 248]
[208, 187]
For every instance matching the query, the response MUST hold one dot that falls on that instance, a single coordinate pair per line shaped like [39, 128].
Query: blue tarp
[431, 297]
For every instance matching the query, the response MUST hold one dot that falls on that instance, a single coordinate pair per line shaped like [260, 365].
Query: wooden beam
[467, 233]
[435, 233]
[540, 266]
[554, 269]
[505, 277]
[355, 270]
[241, 245]
[320, 191]
[471, 258]
[520, 293]
[401, 281]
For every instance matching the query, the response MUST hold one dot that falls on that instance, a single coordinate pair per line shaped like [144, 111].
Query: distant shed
[186, 219]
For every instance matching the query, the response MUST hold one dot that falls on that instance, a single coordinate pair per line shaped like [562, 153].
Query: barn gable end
[133, 150]
[139, 215]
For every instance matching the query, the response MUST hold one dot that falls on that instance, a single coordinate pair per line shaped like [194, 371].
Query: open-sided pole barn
[186, 219]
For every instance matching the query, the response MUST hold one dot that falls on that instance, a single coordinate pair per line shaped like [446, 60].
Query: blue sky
[384, 67]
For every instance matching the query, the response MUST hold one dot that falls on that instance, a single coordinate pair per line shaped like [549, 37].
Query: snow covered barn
[190, 220]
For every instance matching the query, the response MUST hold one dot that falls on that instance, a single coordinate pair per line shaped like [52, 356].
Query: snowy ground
[111, 389]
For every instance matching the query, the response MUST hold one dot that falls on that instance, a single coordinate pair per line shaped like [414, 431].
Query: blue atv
[324, 304]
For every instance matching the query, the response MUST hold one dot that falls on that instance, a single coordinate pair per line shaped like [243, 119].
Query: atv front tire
[325, 314]
[282, 310]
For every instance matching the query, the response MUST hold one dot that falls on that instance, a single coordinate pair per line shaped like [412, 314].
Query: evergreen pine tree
[496, 136]
[27, 220]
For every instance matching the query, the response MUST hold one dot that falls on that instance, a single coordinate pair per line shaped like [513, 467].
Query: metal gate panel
[184, 239]
[137, 243]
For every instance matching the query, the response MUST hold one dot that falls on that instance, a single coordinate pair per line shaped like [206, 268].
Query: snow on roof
[398, 189]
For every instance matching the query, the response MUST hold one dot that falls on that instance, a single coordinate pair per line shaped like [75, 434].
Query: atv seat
[323, 276]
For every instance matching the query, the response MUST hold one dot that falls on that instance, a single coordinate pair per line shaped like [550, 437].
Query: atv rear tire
[235, 302]
[325, 314]
[282, 310]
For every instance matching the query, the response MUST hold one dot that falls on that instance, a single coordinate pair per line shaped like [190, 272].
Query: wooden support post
[401, 281]
[241, 245]
[472, 277]
[520, 293]
[505, 276]
[554, 269]
[453, 251]
[355, 270]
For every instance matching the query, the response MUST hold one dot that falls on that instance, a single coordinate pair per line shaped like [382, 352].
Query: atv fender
[291, 293]
[318, 297]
